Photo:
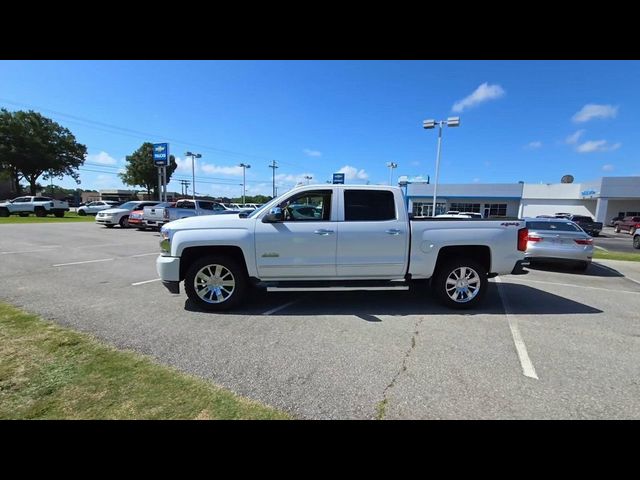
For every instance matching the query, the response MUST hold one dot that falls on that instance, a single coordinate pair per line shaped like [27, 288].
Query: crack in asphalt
[381, 406]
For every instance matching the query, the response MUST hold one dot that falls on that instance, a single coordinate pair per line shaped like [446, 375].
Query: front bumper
[105, 220]
[173, 287]
[168, 268]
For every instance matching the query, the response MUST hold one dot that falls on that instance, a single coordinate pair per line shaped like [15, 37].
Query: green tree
[141, 171]
[32, 145]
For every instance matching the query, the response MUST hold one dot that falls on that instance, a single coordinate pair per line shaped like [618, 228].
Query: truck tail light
[586, 241]
[523, 235]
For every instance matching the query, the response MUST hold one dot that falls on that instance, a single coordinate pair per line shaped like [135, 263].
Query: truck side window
[308, 206]
[369, 205]
[206, 205]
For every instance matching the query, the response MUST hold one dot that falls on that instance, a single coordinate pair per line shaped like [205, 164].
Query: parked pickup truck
[187, 208]
[153, 216]
[351, 238]
[629, 224]
[586, 223]
[40, 206]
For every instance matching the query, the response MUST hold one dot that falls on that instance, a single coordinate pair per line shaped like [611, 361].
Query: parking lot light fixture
[193, 173]
[427, 125]
[391, 166]
[244, 182]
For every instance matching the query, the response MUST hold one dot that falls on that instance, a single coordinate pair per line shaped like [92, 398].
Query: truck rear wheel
[59, 213]
[4, 212]
[40, 212]
[460, 283]
[216, 283]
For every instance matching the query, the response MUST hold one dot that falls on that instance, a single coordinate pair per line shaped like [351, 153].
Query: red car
[628, 224]
[136, 220]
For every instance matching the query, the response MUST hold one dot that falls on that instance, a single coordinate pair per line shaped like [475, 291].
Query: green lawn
[601, 254]
[50, 372]
[68, 217]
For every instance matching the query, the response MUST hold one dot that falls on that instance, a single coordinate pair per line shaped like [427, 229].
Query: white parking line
[145, 254]
[78, 263]
[578, 286]
[281, 307]
[600, 248]
[527, 367]
[46, 249]
[146, 281]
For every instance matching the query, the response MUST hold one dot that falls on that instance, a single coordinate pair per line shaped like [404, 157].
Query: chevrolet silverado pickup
[40, 206]
[348, 237]
[186, 208]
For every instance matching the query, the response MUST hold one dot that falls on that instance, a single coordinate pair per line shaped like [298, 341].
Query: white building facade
[603, 199]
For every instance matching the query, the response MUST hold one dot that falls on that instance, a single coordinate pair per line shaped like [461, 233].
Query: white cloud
[591, 111]
[476, 180]
[208, 168]
[534, 145]
[483, 93]
[607, 168]
[283, 178]
[597, 146]
[574, 137]
[312, 153]
[352, 173]
[184, 165]
[103, 158]
[418, 178]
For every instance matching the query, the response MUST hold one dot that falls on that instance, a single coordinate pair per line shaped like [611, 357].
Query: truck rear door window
[369, 205]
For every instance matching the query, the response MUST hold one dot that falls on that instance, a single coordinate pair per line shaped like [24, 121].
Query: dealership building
[602, 199]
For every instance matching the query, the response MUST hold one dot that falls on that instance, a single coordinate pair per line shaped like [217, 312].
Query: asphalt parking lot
[551, 344]
[615, 242]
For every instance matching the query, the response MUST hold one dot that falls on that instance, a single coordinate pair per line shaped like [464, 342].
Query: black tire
[40, 212]
[632, 230]
[23, 214]
[108, 225]
[124, 222]
[453, 268]
[59, 214]
[235, 294]
[636, 242]
[82, 213]
[616, 229]
[582, 266]
[4, 212]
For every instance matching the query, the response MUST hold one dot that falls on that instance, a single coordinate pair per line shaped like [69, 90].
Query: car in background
[186, 208]
[558, 240]
[154, 215]
[120, 215]
[40, 206]
[93, 208]
[615, 219]
[587, 224]
[136, 219]
[627, 224]
[636, 239]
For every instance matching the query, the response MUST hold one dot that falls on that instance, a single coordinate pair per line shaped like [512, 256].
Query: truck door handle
[323, 232]
[394, 231]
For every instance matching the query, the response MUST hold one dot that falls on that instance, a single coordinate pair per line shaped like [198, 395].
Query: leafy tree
[141, 171]
[32, 145]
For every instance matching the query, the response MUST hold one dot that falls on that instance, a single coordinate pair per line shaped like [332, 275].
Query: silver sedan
[558, 240]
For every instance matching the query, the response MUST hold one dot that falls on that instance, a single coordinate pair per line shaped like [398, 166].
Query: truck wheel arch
[479, 253]
[191, 254]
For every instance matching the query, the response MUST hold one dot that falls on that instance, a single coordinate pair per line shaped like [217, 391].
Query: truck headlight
[165, 243]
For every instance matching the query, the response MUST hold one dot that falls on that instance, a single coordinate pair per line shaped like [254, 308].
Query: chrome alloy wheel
[214, 283]
[463, 284]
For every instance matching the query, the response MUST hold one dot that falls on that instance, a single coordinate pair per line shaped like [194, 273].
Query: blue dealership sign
[338, 178]
[161, 154]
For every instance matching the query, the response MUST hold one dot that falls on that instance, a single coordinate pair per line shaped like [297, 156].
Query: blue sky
[533, 121]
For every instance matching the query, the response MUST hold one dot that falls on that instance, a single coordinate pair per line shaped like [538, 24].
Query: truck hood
[208, 221]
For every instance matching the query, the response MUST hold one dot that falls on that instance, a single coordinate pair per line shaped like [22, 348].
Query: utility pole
[244, 181]
[273, 166]
[308, 178]
[391, 166]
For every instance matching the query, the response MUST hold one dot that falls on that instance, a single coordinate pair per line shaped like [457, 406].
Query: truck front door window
[309, 206]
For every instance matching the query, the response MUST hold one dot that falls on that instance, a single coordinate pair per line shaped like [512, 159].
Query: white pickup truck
[40, 206]
[336, 237]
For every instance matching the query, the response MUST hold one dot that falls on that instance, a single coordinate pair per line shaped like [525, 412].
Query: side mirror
[274, 215]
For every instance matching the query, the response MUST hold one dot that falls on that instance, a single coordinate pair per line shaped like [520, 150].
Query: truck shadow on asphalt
[369, 306]
[594, 270]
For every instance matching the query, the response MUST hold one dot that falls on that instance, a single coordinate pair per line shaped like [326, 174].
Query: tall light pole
[273, 166]
[308, 178]
[428, 124]
[244, 182]
[193, 173]
[391, 166]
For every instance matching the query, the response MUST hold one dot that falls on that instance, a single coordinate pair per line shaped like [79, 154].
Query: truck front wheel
[40, 212]
[460, 283]
[216, 283]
